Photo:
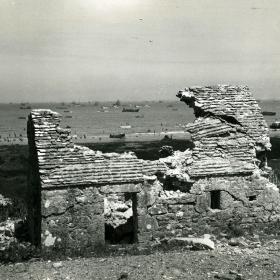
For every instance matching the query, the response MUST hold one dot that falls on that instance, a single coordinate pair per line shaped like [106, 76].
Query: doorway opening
[121, 218]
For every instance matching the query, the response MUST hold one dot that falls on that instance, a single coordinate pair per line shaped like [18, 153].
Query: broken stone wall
[74, 220]
[70, 187]
[247, 202]
[221, 184]
[83, 196]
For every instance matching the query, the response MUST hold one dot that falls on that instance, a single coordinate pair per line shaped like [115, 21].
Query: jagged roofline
[189, 96]
[61, 163]
[189, 99]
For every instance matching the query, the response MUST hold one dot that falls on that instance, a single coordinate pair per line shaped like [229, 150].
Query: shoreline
[105, 138]
[131, 137]
[144, 144]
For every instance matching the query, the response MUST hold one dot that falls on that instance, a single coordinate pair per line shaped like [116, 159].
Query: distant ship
[120, 135]
[125, 126]
[25, 107]
[130, 109]
[275, 125]
[268, 113]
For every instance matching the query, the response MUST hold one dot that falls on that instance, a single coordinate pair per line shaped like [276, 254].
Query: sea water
[94, 122]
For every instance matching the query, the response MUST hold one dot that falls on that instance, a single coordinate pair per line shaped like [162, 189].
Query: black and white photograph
[139, 139]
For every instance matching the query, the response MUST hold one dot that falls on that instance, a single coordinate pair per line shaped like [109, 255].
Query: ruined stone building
[81, 198]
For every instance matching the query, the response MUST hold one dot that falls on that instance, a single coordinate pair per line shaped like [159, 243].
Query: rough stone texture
[72, 218]
[195, 243]
[117, 209]
[69, 185]
[63, 164]
[220, 185]
[228, 131]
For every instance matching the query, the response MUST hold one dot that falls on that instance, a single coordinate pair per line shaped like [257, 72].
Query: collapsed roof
[62, 163]
[228, 133]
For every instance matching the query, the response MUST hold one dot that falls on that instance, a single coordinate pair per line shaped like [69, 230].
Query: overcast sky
[65, 50]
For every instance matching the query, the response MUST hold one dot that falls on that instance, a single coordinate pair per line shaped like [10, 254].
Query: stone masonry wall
[220, 184]
[72, 220]
[176, 213]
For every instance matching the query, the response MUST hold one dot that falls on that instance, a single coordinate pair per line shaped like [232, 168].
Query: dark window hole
[215, 199]
[252, 197]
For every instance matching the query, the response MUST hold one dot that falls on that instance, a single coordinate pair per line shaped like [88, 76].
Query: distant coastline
[93, 122]
[129, 137]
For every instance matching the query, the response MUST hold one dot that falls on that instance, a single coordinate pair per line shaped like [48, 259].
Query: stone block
[202, 203]
[54, 202]
[157, 209]
[147, 223]
[124, 188]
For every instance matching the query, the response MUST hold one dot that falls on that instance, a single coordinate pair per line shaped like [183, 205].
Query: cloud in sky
[130, 49]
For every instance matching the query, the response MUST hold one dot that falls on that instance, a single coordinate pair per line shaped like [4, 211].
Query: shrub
[166, 151]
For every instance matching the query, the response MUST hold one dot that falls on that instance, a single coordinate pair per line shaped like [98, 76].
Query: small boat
[22, 118]
[120, 135]
[268, 113]
[68, 117]
[125, 126]
[275, 125]
[130, 109]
